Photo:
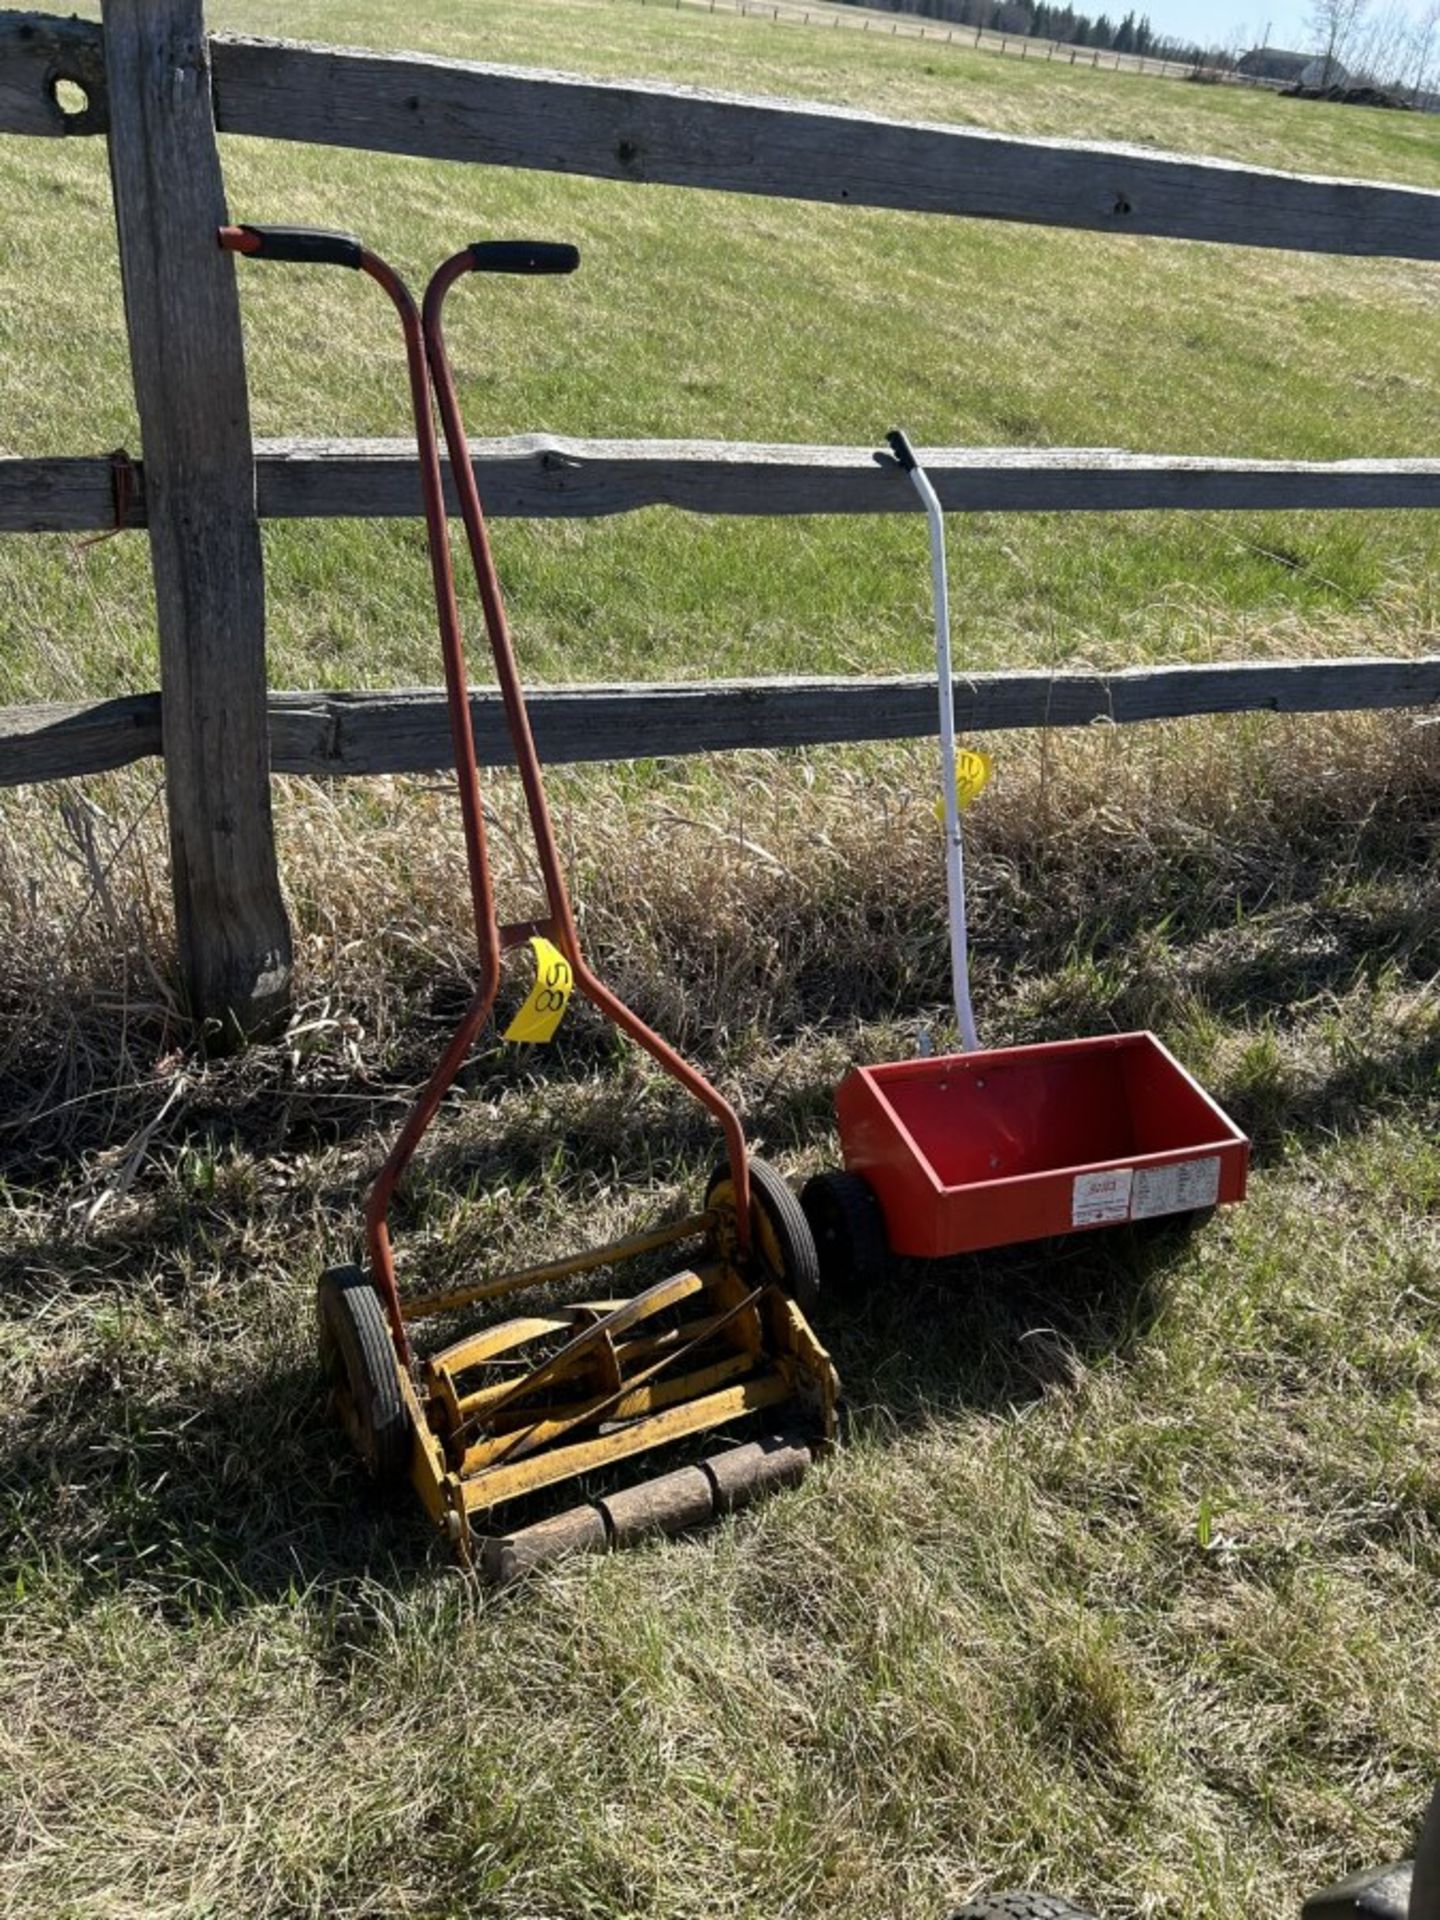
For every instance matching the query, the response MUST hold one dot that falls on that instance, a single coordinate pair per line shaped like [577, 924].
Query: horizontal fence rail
[663, 134]
[160, 88]
[408, 732]
[538, 476]
[678, 136]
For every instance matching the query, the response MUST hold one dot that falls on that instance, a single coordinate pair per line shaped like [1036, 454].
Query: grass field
[723, 316]
[1126, 1581]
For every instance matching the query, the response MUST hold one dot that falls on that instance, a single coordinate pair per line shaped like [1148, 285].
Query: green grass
[730, 317]
[1125, 1583]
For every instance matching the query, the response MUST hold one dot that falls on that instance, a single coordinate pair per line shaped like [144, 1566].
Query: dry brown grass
[1126, 1580]
[742, 906]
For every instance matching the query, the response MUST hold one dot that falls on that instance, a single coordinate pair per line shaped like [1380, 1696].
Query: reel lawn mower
[949, 1154]
[567, 1390]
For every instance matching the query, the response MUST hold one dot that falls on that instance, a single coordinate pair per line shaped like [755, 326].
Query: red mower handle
[312, 246]
[523, 256]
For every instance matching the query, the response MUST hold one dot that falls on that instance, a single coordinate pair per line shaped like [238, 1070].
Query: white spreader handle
[954, 844]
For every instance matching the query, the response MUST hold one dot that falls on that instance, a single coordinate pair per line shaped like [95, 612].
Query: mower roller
[953, 1153]
[523, 1404]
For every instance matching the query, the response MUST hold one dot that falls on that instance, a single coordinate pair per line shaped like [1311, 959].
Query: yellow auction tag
[547, 1000]
[972, 775]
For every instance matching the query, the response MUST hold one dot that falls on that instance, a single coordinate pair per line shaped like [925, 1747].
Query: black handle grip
[902, 450]
[523, 256]
[311, 245]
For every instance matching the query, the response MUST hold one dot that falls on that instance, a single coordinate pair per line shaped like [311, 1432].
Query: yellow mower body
[567, 1392]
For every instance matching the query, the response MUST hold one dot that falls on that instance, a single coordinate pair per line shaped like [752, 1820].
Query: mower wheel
[357, 1356]
[849, 1231]
[782, 1234]
[1019, 1906]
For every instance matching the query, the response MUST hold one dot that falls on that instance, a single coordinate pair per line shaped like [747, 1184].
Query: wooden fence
[158, 88]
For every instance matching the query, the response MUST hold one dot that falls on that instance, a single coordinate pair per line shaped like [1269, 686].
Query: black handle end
[312, 246]
[523, 256]
[902, 450]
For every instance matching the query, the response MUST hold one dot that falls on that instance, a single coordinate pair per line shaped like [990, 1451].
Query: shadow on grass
[993, 1331]
[1384, 931]
[1380, 1076]
[216, 1497]
[1376, 1073]
[216, 1489]
[1096, 960]
[212, 1501]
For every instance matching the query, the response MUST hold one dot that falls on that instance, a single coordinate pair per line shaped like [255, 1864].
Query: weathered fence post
[186, 355]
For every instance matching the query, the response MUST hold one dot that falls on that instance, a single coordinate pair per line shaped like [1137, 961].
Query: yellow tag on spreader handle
[972, 776]
[547, 1000]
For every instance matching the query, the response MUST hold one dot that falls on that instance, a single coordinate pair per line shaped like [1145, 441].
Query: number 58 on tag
[545, 1004]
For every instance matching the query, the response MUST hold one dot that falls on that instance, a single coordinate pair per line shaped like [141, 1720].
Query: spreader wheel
[782, 1235]
[849, 1231]
[358, 1358]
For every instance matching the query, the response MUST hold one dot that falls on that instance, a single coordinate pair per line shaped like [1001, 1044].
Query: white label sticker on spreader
[1099, 1197]
[1177, 1189]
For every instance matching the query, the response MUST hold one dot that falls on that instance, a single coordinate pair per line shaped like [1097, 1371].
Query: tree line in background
[1036, 19]
[1387, 46]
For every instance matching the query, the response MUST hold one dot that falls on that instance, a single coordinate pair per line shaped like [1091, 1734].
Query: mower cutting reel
[570, 1390]
[513, 1408]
